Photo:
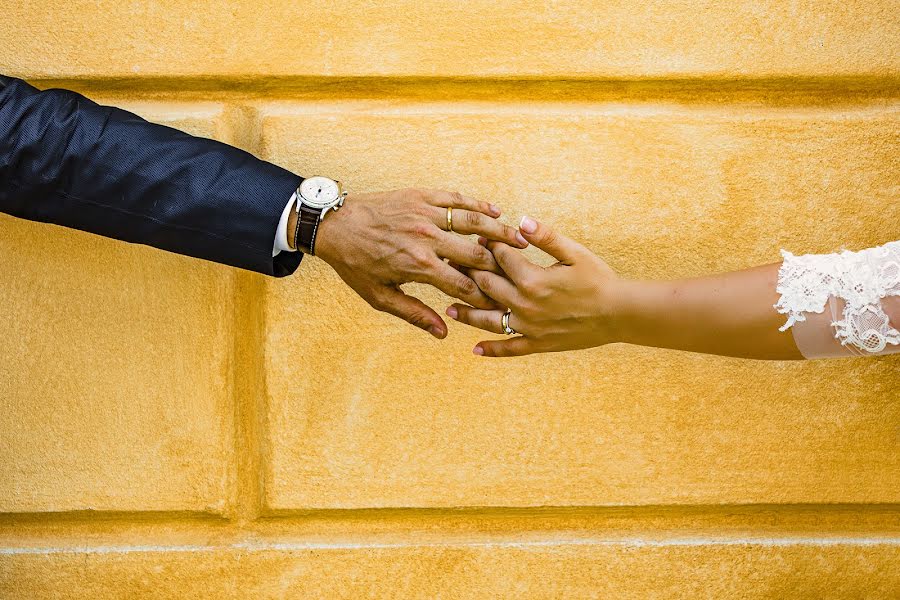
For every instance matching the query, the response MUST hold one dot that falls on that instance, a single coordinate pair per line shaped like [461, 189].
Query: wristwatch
[315, 197]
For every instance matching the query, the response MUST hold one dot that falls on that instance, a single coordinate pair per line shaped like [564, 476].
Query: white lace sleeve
[856, 286]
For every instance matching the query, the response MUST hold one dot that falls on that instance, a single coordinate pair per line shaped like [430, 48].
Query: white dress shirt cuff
[281, 234]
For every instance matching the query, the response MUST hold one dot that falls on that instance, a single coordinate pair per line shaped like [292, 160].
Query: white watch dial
[319, 192]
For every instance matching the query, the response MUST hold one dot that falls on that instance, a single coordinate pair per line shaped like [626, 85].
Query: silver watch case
[315, 203]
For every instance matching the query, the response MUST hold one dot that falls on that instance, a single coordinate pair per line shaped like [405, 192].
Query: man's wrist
[327, 245]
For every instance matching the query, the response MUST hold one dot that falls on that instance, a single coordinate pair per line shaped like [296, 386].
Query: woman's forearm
[812, 306]
[730, 314]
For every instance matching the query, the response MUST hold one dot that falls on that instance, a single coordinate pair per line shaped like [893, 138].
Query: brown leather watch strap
[307, 227]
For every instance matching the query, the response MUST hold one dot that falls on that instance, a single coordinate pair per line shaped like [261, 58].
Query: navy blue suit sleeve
[67, 160]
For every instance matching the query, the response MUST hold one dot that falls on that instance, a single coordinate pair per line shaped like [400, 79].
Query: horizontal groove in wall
[73, 517]
[661, 520]
[624, 524]
[812, 91]
[247, 546]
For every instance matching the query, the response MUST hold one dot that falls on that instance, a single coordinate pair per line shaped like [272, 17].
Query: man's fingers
[496, 288]
[456, 200]
[468, 222]
[489, 320]
[563, 249]
[513, 262]
[517, 346]
[463, 253]
[457, 285]
[411, 310]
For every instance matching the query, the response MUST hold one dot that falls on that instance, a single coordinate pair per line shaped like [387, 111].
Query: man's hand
[376, 242]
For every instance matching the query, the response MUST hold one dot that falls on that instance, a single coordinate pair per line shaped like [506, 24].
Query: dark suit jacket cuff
[272, 187]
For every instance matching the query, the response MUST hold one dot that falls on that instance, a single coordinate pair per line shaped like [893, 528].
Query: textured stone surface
[115, 378]
[673, 137]
[379, 415]
[657, 189]
[622, 38]
[682, 569]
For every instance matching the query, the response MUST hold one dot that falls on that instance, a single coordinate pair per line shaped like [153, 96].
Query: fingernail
[478, 350]
[452, 312]
[495, 209]
[528, 225]
[521, 239]
[435, 331]
[482, 240]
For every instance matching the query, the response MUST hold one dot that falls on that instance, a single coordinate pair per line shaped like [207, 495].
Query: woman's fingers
[488, 320]
[563, 249]
[516, 346]
[457, 200]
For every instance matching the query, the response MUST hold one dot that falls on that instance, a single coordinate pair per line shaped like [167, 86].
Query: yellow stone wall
[174, 428]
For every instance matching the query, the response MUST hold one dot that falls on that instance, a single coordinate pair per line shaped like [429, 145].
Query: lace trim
[861, 279]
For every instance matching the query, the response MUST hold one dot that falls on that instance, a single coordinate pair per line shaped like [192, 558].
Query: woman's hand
[567, 306]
